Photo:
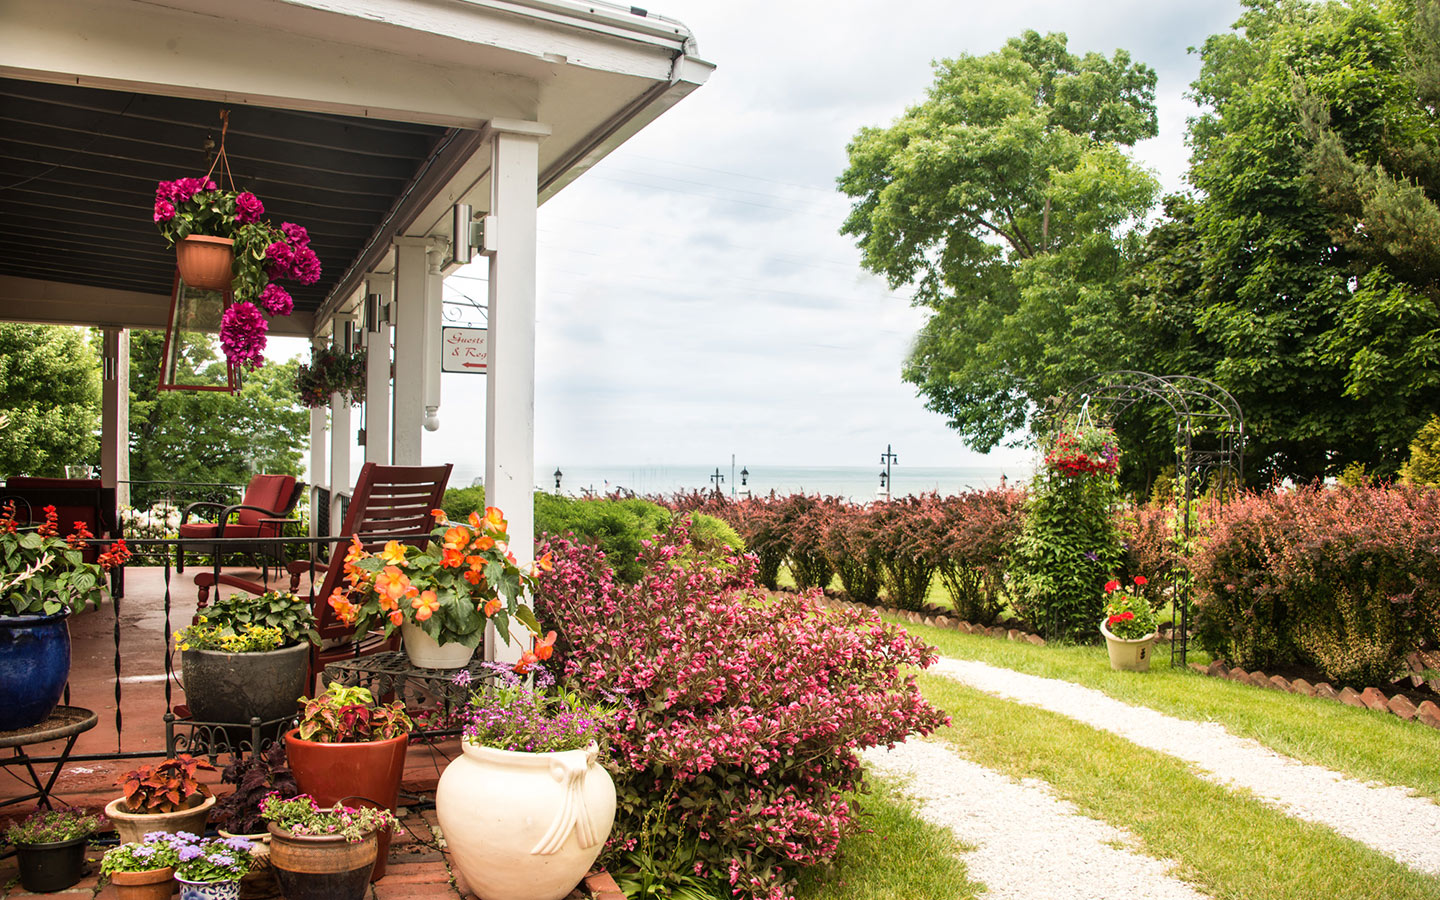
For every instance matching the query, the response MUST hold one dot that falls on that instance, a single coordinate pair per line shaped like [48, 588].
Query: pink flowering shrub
[740, 714]
[1343, 578]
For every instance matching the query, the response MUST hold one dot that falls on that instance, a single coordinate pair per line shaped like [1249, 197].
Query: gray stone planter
[234, 687]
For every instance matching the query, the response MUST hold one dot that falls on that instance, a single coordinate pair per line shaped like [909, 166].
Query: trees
[49, 399]
[211, 436]
[1006, 200]
[1315, 297]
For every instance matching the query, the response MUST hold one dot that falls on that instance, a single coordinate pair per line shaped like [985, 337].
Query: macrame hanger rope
[220, 154]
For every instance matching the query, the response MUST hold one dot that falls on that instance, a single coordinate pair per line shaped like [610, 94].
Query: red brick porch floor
[418, 867]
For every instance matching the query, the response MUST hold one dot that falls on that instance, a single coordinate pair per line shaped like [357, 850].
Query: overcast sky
[695, 296]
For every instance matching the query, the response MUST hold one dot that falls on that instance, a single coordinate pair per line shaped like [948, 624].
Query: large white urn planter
[525, 826]
[426, 653]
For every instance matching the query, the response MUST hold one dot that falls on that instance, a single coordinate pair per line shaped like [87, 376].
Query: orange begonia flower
[474, 519]
[388, 603]
[396, 617]
[394, 554]
[451, 558]
[356, 551]
[457, 537]
[393, 583]
[527, 659]
[439, 514]
[492, 606]
[482, 543]
[494, 519]
[544, 648]
[426, 605]
[474, 577]
[343, 607]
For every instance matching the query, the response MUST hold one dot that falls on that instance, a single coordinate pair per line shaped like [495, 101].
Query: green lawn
[1368, 745]
[899, 857]
[1230, 844]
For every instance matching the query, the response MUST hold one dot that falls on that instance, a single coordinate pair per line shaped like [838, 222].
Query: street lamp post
[717, 479]
[558, 475]
[886, 479]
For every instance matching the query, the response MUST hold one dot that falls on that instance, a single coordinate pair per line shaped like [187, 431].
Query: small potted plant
[1128, 627]
[350, 747]
[331, 371]
[210, 869]
[43, 579]
[222, 241]
[142, 870]
[324, 854]
[527, 807]
[247, 657]
[255, 777]
[441, 596]
[165, 797]
[50, 847]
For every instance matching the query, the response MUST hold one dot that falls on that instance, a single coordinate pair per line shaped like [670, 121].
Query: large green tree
[196, 437]
[1306, 264]
[1007, 202]
[49, 399]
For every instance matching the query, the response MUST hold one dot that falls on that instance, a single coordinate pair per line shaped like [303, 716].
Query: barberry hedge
[1343, 578]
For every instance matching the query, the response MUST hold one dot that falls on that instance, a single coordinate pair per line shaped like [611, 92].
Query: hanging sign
[464, 350]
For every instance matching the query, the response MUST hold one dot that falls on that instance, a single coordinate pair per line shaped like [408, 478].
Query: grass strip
[1364, 744]
[1228, 842]
[900, 856]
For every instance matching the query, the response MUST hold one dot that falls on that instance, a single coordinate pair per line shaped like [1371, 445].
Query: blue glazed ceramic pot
[208, 890]
[34, 666]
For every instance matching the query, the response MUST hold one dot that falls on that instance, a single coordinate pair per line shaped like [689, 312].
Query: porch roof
[364, 121]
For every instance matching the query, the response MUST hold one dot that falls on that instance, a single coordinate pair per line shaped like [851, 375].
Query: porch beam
[57, 303]
[510, 380]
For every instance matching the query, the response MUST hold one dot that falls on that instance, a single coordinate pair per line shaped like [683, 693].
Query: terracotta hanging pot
[206, 262]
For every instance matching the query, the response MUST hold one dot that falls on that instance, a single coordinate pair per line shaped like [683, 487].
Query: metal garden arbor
[1209, 450]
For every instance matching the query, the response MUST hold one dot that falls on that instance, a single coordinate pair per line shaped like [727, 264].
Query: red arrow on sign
[473, 365]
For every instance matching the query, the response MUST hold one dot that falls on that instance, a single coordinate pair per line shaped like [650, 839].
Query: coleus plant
[350, 715]
[164, 787]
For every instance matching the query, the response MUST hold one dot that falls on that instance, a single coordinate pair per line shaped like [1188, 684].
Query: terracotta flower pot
[206, 262]
[524, 826]
[332, 773]
[322, 867]
[132, 827]
[152, 884]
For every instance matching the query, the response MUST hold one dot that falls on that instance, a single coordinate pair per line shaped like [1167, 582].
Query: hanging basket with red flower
[1083, 449]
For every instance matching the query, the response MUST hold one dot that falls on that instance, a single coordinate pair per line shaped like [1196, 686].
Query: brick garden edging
[1370, 698]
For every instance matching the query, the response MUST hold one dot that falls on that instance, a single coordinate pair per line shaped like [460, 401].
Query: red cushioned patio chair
[268, 501]
[389, 502]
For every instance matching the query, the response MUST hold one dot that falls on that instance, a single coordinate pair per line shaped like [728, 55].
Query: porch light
[558, 475]
[884, 479]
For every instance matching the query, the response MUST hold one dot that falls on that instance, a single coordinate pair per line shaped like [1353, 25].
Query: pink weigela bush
[741, 714]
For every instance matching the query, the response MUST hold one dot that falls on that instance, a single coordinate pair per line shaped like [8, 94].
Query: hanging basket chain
[220, 154]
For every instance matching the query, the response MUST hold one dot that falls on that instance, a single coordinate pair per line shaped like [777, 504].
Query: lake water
[857, 483]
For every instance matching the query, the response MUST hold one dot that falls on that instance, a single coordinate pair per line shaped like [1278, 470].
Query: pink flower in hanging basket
[242, 335]
[276, 300]
[248, 208]
[164, 210]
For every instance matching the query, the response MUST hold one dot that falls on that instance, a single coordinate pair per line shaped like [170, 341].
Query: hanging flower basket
[192, 213]
[331, 371]
[206, 262]
[1082, 450]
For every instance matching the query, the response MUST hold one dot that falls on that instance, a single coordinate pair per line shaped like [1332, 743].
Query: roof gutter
[618, 21]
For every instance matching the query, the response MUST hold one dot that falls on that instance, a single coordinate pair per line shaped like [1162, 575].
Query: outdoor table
[67, 722]
[392, 673]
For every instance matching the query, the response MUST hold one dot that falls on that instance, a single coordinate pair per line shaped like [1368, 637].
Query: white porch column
[434, 321]
[377, 374]
[115, 414]
[319, 474]
[412, 273]
[510, 382]
[341, 436]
